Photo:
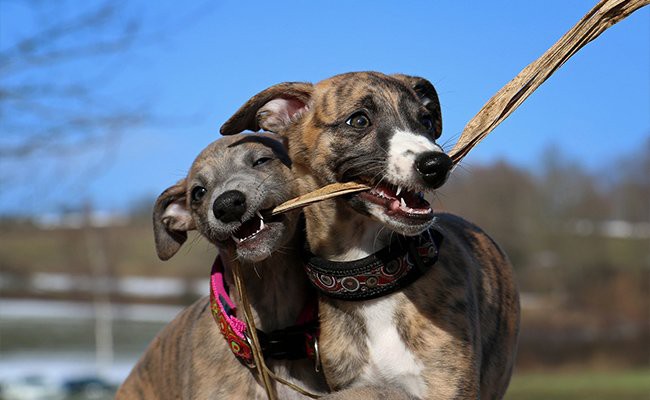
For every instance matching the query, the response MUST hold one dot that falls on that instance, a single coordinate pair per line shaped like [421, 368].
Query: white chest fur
[390, 362]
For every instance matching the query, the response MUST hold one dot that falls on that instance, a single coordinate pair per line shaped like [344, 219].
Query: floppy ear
[428, 96]
[271, 109]
[171, 221]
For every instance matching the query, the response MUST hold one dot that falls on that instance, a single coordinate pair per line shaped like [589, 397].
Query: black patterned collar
[391, 268]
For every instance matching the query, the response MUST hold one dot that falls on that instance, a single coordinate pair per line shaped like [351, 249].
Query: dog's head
[366, 127]
[226, 196]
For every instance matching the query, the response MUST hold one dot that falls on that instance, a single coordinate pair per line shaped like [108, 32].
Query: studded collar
[388, 270]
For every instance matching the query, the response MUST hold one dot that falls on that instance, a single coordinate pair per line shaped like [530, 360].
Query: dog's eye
[198, 193]
[427, 122]
[261, 161]
[358, 120]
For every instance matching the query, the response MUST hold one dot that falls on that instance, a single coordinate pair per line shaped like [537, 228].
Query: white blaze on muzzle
[403, 149]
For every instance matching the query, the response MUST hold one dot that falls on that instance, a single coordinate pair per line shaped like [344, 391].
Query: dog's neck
[277, 288]
[338, 233]
[335, 231]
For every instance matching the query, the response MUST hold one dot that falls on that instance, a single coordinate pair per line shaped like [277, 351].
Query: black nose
[230, 206]
[434, 167]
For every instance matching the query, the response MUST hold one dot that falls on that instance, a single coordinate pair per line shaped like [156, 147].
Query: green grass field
[619, 385]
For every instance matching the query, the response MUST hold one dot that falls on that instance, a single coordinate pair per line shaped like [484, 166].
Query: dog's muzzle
[230, 206]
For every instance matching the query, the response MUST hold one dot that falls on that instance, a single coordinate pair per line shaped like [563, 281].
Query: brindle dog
[231, 183]
[452, 333]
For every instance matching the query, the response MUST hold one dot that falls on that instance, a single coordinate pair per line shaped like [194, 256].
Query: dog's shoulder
[195, 320]
[463, 235]
[469, 252]
[180, 357]
[495, 292]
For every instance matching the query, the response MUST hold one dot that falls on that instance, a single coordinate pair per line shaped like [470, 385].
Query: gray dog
[225, 196]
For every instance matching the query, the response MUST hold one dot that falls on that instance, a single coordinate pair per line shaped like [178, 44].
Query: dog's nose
[434, 167]
[230, 206]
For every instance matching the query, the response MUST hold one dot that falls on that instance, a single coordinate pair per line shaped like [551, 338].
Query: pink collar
[294, 342]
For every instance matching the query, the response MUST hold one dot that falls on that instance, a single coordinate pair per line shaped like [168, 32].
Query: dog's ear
[271, 109]
[428, 96]
[171, 220]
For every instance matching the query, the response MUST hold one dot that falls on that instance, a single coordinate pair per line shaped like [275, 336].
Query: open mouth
[254, 227]
[399, 202]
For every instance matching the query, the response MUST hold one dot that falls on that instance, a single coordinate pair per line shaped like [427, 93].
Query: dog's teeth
[259, 215]
[399, 190]
[402, 202]
[236, 239]
[261, 224]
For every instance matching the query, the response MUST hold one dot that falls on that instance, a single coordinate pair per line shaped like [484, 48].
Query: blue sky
[594, 109]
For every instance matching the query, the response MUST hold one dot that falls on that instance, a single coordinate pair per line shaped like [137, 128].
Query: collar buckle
[288, 343]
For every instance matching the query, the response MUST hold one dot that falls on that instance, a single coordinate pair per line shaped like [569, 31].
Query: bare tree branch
[53, 124]
[46, 45]
[58, 117]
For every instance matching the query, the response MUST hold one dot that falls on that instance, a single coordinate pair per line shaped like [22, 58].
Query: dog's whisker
[464, 166]
[268, 176]
[376, 239]
[390, 237]
[449, 142]
[383, 149]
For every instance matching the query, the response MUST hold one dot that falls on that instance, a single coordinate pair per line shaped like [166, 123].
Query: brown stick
[605, 14]
[327, 192]
[256, 349]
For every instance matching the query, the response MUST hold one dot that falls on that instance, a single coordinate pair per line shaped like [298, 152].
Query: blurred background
[104, 104]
